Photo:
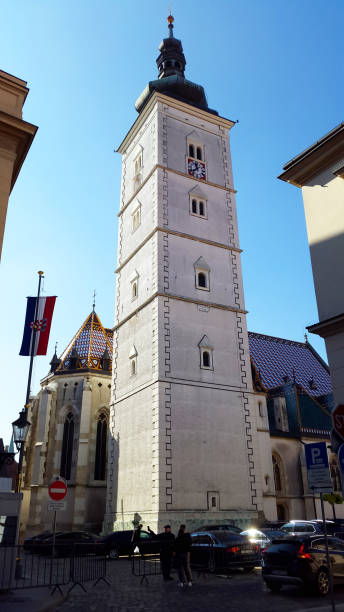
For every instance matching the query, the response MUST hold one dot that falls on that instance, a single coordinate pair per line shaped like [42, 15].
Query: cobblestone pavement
[234, 592]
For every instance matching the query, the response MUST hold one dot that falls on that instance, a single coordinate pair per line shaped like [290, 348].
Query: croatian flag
[41, 325]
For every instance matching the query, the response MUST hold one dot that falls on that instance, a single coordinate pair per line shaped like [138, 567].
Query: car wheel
[274, 587]
[113, 553]
[211, 565]
[249, 569]
[323, 582]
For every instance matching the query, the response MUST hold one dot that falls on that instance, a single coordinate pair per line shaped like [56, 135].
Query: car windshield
[284, 547]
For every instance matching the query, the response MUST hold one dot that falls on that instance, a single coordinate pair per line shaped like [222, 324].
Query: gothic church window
[67, 447]
[133, 361]
[134, 282]
[281, 414]
[335, 476]
[196, 151]
[206, 359]
[277, 473]
[138, 166]
[100, 457]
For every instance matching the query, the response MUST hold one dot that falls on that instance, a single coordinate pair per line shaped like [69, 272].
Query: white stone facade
[183, 437]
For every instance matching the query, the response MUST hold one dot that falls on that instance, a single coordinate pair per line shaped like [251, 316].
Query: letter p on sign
[315, 452]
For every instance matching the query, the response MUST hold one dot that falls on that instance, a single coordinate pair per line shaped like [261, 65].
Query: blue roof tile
[276, 358]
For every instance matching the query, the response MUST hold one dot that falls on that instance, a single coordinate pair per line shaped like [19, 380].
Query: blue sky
[275, 66]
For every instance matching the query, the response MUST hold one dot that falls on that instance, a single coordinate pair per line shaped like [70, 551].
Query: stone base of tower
[192, 519]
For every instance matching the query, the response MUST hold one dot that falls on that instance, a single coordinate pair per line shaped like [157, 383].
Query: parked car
[213, 550]
[29, 543]
[307, 527]
[221, 527]
[302, 561]
[120, 543]
[272, 533]
[71, 542]
[257, 537]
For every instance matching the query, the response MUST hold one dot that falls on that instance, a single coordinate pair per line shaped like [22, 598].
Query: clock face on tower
[196, 169]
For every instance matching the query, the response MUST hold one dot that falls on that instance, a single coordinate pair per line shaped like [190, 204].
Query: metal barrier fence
[22, 569]
[203, 559]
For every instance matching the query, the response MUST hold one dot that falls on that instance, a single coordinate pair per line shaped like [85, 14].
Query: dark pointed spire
[105, 360]
[171, 60]
[74, 359]
[55, 362]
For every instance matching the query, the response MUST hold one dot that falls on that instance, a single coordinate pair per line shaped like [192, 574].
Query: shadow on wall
[328, 274]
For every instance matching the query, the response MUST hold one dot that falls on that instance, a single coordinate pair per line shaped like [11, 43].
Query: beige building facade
[319, 172]
[16, 136]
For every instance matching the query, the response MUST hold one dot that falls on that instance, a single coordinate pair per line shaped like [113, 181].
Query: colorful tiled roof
[280, 361]
[88, 346]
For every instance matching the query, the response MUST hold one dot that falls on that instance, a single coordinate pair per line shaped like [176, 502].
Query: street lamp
[20, 429]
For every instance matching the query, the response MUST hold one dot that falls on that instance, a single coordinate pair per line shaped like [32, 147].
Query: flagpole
[27, 399]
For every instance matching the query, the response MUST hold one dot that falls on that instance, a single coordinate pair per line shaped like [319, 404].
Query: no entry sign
[57, 489]
[338, 420]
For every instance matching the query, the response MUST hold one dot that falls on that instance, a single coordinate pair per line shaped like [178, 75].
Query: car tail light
[264, 550]
[302, 554]
[256, 548]
[233, 549]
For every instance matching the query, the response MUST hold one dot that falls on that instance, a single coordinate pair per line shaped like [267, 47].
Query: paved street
[235, 592]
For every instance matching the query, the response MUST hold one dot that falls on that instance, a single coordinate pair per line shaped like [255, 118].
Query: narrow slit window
[67, 447]
[133, 367]
[191, 150]
[201, 208]
[100, 458]
[134, 291]
[194, 207]
[199, 153]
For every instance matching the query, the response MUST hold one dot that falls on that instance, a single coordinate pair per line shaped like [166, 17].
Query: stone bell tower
[183, 433]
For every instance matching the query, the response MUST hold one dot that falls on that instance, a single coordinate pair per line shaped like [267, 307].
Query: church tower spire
[171, 60]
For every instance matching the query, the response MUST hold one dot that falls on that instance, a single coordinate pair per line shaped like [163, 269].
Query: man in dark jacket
[166, 539]
[182, 549]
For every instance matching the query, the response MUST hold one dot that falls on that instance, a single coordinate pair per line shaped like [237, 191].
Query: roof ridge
[277, 339]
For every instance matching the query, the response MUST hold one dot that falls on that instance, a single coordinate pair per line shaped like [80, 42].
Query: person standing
[135, 540]
[166, 539]
[182, 549]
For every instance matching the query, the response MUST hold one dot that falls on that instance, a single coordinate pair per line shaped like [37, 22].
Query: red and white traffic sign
[57, 489]
[338, 420]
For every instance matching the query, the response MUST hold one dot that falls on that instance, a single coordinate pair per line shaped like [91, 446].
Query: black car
[121, 543]
[71, 543]
[302, 561]
[29, 543]
[215, 550]
[221, 527]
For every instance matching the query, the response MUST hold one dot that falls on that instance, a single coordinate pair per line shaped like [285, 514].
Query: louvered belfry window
[100, 459]
[67, 447]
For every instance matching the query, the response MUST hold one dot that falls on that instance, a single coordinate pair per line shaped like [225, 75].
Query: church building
[68, 434]
[183, 426]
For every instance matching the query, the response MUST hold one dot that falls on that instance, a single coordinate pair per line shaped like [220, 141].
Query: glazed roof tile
[277, 358]
[90, 343]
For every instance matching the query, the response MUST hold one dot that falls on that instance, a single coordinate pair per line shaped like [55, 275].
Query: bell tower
[183, 433]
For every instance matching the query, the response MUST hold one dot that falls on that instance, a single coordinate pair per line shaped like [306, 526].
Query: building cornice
[316, 158]
[165, 230]
[181, 299]
[192, 178]
[21, 133]
[178, 105]
[328, 327]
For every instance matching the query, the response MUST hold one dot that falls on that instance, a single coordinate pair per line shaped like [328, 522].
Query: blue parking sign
[318, 473]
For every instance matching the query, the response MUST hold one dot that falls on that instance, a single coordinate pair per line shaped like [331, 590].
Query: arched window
[67, 447]
[191, 150]
[100, 458]
[202, 279]
[335, 477]
[199, 153]
[277, 474]
[206, 359]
